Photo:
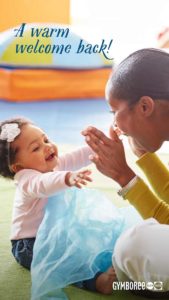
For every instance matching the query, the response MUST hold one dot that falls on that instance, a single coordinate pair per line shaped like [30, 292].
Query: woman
[138, 94]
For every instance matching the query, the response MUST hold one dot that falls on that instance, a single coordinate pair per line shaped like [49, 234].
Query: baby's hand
[78, 178]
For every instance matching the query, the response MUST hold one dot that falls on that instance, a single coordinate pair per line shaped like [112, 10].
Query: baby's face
[34, 150]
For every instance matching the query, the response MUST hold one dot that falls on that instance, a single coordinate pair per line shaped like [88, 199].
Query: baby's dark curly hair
[6, 152]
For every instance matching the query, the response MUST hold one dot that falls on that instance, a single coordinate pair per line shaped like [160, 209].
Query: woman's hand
[109, 156]
[136, 147]
[78, 178]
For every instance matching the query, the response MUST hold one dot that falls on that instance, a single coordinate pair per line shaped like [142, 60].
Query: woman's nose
[114, 124]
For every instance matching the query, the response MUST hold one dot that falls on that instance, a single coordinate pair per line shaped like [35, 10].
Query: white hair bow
[9, 132]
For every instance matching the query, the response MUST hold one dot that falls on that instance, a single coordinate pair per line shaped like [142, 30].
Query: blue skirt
[76, 240]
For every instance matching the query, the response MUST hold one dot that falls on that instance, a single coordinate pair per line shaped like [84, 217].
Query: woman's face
[133, 121]
[124, 117]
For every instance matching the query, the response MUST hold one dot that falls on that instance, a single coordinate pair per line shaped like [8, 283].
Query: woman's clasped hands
[109, 156]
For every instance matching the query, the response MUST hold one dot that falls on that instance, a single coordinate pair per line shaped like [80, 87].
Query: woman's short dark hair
[6, 152]
[143, 73]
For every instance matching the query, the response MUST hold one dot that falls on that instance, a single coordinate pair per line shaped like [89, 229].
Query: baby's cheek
[55, 148]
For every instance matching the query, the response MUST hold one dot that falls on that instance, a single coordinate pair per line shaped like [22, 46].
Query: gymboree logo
[131, 285]
[154, 286]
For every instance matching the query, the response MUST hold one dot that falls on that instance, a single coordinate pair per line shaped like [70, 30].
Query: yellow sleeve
[156, 173]
[147, 203]
[143, 199]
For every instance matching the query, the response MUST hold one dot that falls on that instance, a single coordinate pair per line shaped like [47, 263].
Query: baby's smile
[50, 156]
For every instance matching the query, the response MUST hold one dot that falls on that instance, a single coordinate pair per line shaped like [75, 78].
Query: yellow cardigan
[151, 203]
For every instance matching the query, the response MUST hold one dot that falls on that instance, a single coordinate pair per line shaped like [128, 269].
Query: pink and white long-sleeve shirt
[33, 189]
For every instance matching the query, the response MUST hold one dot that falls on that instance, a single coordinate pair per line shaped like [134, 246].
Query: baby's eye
[35, 149]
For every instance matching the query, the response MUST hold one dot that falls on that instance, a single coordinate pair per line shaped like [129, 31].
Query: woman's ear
[16, 167]
[146, 106]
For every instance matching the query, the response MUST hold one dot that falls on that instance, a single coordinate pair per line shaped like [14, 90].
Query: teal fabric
[75, 240]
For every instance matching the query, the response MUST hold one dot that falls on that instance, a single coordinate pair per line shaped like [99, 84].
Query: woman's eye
[112, 112]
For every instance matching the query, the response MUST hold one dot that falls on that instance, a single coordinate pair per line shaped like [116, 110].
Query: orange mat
[42, 84]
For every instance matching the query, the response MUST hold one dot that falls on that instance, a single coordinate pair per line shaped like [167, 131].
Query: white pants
[142, 254]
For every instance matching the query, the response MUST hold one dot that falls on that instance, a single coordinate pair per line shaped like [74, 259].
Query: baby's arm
[36, 184]
[75, 160]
